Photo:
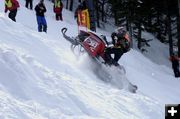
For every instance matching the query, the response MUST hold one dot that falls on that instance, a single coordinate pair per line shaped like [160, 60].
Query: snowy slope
[40, 78]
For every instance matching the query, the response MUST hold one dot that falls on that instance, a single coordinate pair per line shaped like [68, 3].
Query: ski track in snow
[49, 88]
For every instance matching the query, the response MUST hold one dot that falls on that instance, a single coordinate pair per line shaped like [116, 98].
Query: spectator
[58, 6]
[81, 6]
[12, 6]
[40, 10]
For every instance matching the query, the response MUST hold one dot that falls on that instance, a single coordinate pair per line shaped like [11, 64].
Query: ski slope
[40, 78]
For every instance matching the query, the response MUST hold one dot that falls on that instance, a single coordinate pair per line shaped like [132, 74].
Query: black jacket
[40, 9]
[119, 41]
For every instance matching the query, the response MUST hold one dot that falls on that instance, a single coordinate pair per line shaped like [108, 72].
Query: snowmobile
[95, 47]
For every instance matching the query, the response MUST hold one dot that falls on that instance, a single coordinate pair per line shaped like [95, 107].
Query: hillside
[40, 78]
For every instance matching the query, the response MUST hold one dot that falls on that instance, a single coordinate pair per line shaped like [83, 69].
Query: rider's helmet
[120, 32]
[123, 37]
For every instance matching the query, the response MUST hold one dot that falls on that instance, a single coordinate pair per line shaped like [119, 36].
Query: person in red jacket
[12, 6]
[58, 6]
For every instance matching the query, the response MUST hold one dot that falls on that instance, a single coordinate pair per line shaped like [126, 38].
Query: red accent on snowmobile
[93, 44]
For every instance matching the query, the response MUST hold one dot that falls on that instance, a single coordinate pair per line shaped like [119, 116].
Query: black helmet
[120, 32]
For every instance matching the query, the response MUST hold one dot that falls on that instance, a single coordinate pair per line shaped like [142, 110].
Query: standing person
[58, 6]
[40, 10]
[29, 2]
[12, 6]
[82, 6]
[121, 45]
[175, 65]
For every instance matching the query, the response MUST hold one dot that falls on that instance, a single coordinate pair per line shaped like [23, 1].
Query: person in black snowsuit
[29, 2]
[121, 45]
[175, 65]
[40, 10]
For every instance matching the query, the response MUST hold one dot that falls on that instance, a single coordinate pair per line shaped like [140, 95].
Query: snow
[40, 78]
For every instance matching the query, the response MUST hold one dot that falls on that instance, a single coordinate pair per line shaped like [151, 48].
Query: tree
[90, 6]
[178, 27]
[67, 4]
[97, 13]
[71, 5]
[169, 30]
[117, 11]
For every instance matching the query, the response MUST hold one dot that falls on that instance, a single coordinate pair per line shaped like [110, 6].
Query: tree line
[159, 17]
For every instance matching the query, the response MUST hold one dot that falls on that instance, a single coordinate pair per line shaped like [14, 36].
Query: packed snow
[40, 77]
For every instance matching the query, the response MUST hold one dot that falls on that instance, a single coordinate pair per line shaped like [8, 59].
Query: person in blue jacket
[40, 10]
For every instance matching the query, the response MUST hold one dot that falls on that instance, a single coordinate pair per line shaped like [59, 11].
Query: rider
[121, 45]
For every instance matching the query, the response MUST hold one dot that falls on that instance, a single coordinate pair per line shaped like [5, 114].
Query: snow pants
[29, 2]
[59, 16]
[42, 24]
[12, 14]
[118, 52]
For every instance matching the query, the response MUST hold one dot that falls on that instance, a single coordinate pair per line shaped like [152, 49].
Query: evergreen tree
[178, 27]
